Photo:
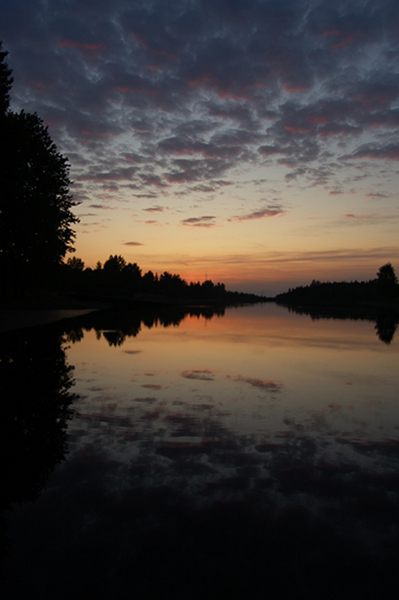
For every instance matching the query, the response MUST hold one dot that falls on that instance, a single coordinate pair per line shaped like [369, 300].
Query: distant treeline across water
[384, 290]
[118, 279]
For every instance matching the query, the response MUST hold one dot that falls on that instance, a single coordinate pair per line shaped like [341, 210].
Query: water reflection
[35, 382]
[386, 320]
[116, 326]
[386, 326]
[254, 454]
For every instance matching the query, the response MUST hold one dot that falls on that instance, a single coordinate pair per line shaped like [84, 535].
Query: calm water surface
[256, 443]
[256, 376]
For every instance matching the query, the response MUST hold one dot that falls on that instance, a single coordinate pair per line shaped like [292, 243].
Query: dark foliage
[35, 203]
[387, 281]
[120, 281]
[5, 82]
[386, 275]
[339, 294]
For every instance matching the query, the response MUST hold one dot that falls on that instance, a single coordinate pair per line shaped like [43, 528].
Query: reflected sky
[244, 455]
[257, 377]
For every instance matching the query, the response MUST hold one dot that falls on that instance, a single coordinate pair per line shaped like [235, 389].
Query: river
[246, 452]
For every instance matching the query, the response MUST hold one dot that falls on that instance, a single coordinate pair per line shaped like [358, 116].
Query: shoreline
[15, 319]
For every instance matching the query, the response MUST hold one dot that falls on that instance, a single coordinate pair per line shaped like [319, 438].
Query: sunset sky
[253, 142]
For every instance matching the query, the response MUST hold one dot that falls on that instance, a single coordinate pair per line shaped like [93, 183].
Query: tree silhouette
[387, 281]
[75, 263]
[386, 274]
[114, 264]
[35, 203]
[5, 82]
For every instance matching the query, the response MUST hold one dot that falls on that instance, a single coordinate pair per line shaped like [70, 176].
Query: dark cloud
[133, 244]
[270, 211]
[370, 151]
[376, 195]
[223, 86]
[154, 209]
[101, 207]
[206, 221]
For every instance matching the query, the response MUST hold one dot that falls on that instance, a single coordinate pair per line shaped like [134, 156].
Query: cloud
[154, 209]
[132, 244]
[88, 50]
[376, 195]
[101, 207]
[156, 98]
[370, 151]
[206, 221]
[270, 211]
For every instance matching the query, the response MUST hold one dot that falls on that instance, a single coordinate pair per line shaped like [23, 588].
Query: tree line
[383, 289]
[117, 278]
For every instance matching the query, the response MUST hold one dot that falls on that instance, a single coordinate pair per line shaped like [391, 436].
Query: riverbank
[42, 307]
[11, 320]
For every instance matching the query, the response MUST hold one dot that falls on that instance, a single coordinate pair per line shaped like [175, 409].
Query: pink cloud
[317, 120]
[125, 89]
[328, 32]
[83, 48]
[292, 88]
[269, 150]
[139, 41]
[294, 129]
[199, 81]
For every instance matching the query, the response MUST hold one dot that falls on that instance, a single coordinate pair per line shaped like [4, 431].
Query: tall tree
[35, 204]
[5, 82]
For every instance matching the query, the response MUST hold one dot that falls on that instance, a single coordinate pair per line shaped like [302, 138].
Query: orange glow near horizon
[261, 273]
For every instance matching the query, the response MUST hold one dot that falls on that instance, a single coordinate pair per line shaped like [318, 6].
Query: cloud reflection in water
[253, 463]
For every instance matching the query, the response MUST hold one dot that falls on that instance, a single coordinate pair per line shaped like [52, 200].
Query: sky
[251, 142]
